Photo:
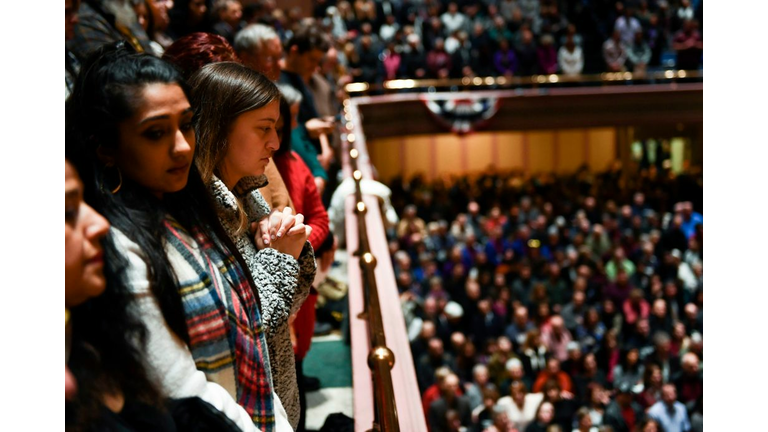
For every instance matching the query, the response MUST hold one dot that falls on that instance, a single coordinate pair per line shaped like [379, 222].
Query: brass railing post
[381, 359]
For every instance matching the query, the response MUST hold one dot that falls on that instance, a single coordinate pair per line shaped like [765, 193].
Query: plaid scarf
[222, 315]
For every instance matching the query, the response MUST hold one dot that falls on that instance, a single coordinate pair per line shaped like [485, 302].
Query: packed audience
[554, 303]
[373, 41]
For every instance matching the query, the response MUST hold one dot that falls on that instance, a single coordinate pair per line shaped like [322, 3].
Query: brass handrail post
[381, 359]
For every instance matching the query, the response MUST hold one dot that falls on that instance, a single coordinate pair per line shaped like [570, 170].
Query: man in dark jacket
[623, 413]
[449, 401]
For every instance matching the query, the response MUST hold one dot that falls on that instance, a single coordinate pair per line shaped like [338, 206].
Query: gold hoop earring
[119, 179]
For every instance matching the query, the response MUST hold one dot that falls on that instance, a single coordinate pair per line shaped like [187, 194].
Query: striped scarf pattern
[226, 336]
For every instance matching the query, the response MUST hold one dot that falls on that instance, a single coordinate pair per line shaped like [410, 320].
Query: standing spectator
[229, 18]
[630, 370]
[553, 372]
[614, 53]
[545, 414]
[520, 405]
[479, 383]
[689, 46]
[556, 337]
[391, 61]
[520, 326]
[528, 61]
[188, 16]
[453, 20]
[589, 374]
[671, 414]
[635, 307]
[505, 60]
[304, 52]
[461, 58]
[428, 364]
[573, 312]
[689, 382]
[590, 334]
[499, 31]
[547, 54]
[366, 68]
[438, 60]
[437, 416]
[365, 11]
[623, 413]
[653, 382]
[72, 64]
[638, 53]
[413, 64]
[389, 29]
[482, 51]
[690, 219]
[570, 58]
[656, 35]
[100, 22]
[158, 23]
[627, 25]
[259, 48]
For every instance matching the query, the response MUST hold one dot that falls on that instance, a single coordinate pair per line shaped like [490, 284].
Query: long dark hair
[285, 114]
[106, 93]
[221, 93]
[104, 357]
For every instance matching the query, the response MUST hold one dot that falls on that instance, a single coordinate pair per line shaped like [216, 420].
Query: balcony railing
[533, 81]
[380, 345]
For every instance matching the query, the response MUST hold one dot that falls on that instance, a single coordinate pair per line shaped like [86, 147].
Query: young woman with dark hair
[130, 133]
[110, 388]
[238, 109]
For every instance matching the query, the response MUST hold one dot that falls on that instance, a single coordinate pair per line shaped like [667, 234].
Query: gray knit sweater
[282, 282]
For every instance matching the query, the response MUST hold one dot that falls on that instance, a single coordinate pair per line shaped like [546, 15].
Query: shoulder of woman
[137, 271]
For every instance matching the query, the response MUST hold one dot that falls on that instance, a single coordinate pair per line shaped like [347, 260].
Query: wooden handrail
[391, 400]
[380, 359]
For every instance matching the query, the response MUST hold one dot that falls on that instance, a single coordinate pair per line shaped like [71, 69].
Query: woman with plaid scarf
[238, 109]
[130, 132]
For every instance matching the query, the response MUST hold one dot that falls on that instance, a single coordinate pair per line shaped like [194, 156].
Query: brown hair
[220, 93]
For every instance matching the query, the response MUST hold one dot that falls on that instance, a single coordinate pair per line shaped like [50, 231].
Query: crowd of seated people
[384, 40]
[543, 303]
[196, 231]
[373, 41]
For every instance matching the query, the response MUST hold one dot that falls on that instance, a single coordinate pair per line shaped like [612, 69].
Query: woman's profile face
[157, 143]
[83, 231]
[252, 141]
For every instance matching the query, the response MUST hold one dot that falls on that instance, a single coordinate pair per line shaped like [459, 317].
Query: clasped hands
[282, 230]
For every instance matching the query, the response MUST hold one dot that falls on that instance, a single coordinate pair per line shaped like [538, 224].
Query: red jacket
[301, 187]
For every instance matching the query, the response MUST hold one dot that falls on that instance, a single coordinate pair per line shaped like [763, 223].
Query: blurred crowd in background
[554, 302]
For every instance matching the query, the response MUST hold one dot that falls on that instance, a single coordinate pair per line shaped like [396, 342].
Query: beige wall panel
[602, 148]
[448, 155]
[417, 156]
[540, 151]
[510, 148]
[570, 150]
[479, 152]
[385, 156]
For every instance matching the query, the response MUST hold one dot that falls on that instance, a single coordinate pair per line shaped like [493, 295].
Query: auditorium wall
[560, 151]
